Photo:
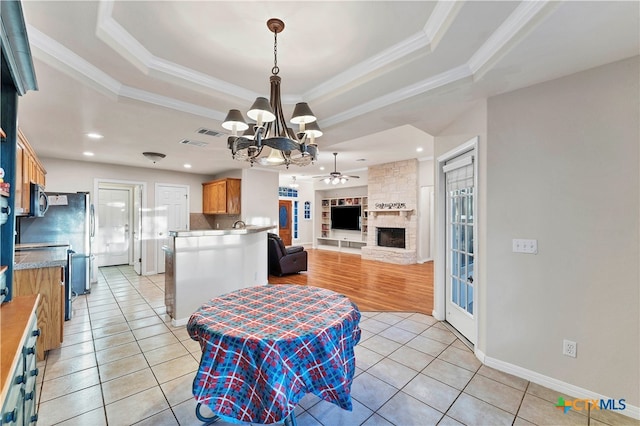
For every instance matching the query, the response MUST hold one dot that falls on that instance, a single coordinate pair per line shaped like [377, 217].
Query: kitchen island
[201, 265]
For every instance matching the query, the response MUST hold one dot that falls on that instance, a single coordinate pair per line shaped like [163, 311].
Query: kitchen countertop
[40, 258]
[249, 229]
[32, 246]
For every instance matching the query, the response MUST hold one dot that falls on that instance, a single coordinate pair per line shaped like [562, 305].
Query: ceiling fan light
[343, 180]
[234, 122]
[261, 111]
[327, 180]
[335, 181]
[302, 114]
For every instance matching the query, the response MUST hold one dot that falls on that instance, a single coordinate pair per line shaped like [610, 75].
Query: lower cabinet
[49, 284]
[19, 361]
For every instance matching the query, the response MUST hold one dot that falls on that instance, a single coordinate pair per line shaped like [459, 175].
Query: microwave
[39, 201]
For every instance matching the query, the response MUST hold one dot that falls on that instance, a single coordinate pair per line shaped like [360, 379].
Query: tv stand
[341, 244]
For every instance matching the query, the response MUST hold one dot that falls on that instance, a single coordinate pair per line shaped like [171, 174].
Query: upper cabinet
[221, 196]
[29, 170]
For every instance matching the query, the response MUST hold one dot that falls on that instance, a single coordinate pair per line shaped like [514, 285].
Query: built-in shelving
[342, 240]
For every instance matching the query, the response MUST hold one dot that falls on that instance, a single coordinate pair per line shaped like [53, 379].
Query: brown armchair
[282, 260]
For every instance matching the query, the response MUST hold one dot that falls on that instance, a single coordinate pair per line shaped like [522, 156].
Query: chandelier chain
[275, 70]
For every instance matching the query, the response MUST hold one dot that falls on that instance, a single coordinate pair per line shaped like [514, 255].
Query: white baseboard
[551, 383]
[436, 315]
[150, 273]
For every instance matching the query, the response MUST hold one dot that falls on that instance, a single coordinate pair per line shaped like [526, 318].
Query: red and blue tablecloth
[264, 348]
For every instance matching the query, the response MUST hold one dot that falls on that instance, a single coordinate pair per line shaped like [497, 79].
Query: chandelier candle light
[270, 128]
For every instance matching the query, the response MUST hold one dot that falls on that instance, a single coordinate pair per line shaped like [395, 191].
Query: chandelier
[270, 129]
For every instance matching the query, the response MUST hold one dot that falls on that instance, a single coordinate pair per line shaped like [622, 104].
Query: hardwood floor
[372, 285]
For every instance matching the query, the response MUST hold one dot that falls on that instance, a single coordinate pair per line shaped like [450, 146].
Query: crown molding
[420, 87]
[513, 29]
[66, 59]
[441, 18]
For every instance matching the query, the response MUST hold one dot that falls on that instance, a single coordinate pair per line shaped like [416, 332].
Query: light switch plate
[520, 245]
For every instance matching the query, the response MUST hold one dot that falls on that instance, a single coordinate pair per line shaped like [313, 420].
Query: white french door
[460, 284]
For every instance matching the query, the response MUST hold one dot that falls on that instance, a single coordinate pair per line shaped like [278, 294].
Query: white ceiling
[382, 76]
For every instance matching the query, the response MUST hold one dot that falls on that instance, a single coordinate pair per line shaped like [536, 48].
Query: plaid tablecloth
[264, 348]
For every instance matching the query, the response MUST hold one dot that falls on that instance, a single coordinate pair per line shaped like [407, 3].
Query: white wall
[563, 168]
[73, 176]
[259, 197]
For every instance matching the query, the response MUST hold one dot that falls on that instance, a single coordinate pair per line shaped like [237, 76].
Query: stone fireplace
[392, 204]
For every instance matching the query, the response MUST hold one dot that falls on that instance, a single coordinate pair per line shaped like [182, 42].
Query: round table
[265, 347]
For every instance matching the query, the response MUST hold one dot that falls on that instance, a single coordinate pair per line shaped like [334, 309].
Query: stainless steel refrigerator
[69, 219]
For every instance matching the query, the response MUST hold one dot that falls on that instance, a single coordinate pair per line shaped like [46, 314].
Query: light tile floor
[123, 363]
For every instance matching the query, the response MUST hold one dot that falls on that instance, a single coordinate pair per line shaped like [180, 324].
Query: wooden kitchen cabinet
[221, 196]
[29, 170]
[49, 283]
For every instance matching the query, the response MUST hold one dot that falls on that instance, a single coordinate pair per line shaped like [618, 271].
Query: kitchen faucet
[238, 224]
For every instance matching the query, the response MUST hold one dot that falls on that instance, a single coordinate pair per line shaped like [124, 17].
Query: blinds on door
[459, 173]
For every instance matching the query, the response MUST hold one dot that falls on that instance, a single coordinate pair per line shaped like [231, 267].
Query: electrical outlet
[569, 348]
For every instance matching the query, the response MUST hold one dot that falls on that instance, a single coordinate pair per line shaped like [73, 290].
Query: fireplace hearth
[391, 237]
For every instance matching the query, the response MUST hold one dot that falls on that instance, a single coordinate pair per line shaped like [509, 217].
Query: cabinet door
[19, 205]
[233, 196]
[50, 310]
[208, 198]
[26, 180]
[221, 197]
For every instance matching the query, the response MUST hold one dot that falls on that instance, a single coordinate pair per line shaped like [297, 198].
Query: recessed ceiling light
[88, 154]
[94, 135]
[419, 149]
[187, 166]
[321, 168]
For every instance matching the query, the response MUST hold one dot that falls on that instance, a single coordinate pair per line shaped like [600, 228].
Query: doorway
[119, 209]
[456, 273]
[284, 221]
[172, 214]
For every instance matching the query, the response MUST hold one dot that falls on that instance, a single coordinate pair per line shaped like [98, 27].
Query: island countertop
[249, 229]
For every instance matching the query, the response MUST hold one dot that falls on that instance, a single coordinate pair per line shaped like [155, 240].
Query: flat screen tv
[345, 217]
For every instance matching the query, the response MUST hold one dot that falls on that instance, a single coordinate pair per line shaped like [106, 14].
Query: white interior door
[137, 229]
[461, 240]
[114, 213]
[172, 214]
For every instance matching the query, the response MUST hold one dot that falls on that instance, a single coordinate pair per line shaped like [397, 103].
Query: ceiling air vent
[194, 143]
[209, 132]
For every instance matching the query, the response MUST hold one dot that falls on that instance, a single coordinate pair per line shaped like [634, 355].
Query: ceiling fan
[335, 177]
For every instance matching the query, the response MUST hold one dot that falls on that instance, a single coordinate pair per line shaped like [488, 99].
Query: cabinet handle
[19, 379]
[36, 332]
[34, 372]
[10, 417]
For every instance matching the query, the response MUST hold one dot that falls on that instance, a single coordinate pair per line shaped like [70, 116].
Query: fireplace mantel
[400, 212]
